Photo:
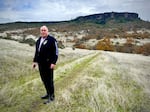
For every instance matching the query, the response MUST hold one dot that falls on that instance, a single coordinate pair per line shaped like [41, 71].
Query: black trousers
[47, 77]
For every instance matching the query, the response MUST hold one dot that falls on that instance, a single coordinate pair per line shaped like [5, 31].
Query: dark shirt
[48, 52]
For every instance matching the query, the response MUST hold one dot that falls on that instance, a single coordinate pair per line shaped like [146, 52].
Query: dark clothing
[48, 52]
[47, 77]
[45, 56]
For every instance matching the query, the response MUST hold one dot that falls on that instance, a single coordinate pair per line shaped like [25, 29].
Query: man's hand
[52, 66]
[34, 65]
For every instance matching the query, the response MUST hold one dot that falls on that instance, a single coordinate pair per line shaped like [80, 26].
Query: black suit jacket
[48, 52]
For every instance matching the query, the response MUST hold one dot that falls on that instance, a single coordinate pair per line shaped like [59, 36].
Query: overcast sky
[59, 10]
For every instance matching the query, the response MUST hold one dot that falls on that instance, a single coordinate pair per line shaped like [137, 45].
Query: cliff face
[104, 17]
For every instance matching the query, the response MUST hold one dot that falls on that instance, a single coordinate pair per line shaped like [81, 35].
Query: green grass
[90, 82]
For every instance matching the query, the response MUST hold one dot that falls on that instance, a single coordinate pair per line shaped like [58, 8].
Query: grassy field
[85, 81]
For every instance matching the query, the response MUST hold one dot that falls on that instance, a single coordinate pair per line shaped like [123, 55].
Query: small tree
[105, 44]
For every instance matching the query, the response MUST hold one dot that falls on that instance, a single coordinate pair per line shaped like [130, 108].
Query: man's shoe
[45, 96]
[52, 98]
[48, 101]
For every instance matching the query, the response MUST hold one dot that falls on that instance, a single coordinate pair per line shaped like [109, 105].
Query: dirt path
[66, 77]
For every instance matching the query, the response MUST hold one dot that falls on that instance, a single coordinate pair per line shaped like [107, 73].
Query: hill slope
[115, 20]
[103, 18]
[85, 80]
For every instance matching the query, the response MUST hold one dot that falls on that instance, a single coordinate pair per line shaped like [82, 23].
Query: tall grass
[85, 81]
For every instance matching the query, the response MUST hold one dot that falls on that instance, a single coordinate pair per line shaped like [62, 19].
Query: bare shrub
[105, 44]
[146, 49]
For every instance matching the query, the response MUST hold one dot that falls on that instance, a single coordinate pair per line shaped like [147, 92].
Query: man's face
[44, 31]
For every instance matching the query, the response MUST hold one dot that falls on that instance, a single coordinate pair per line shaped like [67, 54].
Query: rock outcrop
[104, 17]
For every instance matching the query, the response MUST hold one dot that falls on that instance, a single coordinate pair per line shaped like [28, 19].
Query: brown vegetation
[105, 45]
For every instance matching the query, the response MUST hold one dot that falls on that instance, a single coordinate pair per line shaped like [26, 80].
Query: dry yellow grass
[85, 81]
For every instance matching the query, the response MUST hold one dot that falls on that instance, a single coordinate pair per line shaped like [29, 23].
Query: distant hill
[103, 18]
[111, 31]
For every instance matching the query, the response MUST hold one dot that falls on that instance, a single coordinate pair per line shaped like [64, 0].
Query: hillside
[85, 81]
[110, 31]
[103, 18]
[100, 20]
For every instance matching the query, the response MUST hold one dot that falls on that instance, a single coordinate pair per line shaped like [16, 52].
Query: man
[46, 54]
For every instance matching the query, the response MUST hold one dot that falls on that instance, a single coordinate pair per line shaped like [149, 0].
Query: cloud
[54, 10]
